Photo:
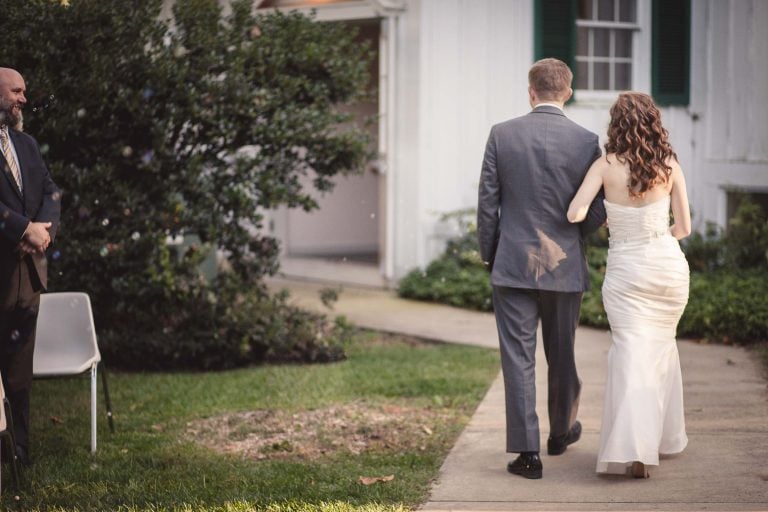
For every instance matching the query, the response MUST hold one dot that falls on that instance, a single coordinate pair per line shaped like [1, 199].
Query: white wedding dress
[645, 292]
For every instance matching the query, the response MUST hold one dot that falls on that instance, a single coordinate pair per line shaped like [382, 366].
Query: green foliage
[592, 311]
[155, 133]
[152, 464]
[747, 237]
[446, 281]
[705, 251]
[230, 329]
[458, 277]
[727, 300]
[743, 245]
[727, 306]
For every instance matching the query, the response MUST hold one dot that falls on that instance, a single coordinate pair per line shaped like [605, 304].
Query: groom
[531, 170]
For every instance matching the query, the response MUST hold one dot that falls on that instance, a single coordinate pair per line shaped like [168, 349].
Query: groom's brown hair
[550, 78]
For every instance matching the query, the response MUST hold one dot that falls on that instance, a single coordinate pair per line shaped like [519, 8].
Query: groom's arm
[489, 199]
[596, 214]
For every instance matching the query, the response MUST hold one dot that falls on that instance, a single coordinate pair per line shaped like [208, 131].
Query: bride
[645, 289]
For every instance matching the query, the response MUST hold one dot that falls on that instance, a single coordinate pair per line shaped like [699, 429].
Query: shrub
[727, 306]
[448, 282]
[458, 277]
[743, 245]
[155, 132]
[705, 251]
[592, 311]
[727, 302]
[231, 329]
[747, 237]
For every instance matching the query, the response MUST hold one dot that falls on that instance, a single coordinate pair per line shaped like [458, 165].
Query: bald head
[7, 74]
[12, 99]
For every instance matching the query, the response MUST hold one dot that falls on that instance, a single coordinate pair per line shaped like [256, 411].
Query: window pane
[582, 75]
[623, 39]
[627, 11]
[582, 41]
[585, 9]
[605, 10]
[601, 77]
[623, 77]
[602, 43]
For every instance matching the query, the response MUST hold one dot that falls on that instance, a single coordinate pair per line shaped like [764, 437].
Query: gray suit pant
[517, 316]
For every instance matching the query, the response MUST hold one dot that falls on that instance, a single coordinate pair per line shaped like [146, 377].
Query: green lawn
[154, 463]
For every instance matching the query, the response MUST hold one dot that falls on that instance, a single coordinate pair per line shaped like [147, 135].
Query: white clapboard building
[448, 69]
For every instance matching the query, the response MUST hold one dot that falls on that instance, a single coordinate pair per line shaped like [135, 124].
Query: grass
[150, 464]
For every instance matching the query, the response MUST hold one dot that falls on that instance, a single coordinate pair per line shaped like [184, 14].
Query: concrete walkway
[724, 467]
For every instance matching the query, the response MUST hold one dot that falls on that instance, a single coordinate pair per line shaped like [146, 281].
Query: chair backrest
[65, 342]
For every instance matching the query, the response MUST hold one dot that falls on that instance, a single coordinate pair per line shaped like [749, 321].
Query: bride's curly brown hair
[636, 136]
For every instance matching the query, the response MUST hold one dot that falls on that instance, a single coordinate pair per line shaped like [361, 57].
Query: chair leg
[11, 440]
[93, 408]
[107, 399]
[8, 438]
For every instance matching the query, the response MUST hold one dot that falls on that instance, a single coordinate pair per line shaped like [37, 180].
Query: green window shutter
[671, 36]
[554, 33]
[555, 30]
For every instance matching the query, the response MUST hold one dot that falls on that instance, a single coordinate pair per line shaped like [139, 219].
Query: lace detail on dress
[637, 223]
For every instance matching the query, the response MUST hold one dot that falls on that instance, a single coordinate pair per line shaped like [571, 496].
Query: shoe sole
[532, 475]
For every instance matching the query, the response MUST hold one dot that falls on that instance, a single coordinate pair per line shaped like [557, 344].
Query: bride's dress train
[645, 292]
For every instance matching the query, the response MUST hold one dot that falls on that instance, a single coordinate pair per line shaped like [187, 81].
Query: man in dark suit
[532, 167]
[30, 204]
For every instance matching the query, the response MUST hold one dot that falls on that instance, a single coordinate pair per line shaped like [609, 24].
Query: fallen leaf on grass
[426, 430]
[370, 480]
[56, 419]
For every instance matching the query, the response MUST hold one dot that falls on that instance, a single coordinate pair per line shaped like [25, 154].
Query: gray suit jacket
[532, 168]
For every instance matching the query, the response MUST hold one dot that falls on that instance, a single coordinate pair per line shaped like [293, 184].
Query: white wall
[473, 58]
[461, 66]
[464, 67]
[728, 94]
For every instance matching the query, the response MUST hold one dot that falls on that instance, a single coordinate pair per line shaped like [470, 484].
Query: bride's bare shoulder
[675, 170]
[613, 160]
[613, 164]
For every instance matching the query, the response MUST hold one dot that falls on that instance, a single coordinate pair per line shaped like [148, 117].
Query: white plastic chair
[65, 345]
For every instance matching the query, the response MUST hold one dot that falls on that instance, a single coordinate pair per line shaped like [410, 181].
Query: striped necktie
[5, 142]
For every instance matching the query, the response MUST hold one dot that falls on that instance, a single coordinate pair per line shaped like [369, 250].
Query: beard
[10, 114]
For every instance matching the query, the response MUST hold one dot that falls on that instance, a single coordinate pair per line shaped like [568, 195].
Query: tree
[156, 129]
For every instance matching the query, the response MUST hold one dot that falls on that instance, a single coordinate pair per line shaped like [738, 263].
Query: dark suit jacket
[40, 202]
[532, 168]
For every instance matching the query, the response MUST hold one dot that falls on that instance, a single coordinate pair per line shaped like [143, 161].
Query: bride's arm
[680, 209]
[589, 188]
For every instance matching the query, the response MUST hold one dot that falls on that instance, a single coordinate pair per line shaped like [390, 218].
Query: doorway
[342, 240]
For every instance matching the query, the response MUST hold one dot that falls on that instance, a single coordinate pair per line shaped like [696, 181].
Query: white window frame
[640, 60]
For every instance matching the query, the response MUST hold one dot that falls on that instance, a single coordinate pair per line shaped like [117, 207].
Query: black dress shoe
[22, 456]
[527, 465]
[557, 445]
